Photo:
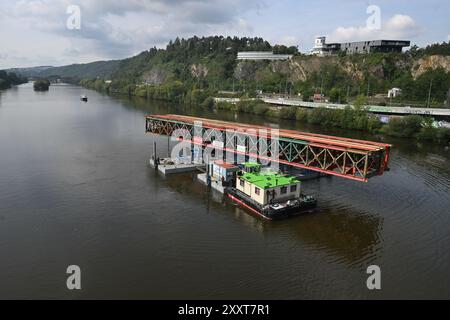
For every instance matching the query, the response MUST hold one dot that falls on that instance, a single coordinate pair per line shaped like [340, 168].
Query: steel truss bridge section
[348, 158]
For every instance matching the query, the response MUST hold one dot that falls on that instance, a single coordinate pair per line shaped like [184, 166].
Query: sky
[55, 32]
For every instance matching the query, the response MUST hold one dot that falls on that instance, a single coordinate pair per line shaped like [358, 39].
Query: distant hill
[29, 72]
[98, 69]
[155, 65]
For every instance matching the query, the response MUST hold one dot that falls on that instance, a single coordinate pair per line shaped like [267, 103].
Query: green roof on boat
[251, 165]
[268, 180]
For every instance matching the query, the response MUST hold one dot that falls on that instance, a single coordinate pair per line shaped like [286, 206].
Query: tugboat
[84, 98]
[270, 195]
[274, 211]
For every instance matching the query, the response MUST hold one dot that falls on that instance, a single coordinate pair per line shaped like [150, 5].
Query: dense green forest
[432, 49]
[190, 70]
[194, 70]
[9, 79]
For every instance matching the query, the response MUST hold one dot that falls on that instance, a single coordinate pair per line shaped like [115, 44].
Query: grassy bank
[354, 118]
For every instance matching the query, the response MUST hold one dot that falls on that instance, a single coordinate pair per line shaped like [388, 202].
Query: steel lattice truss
[348, 158]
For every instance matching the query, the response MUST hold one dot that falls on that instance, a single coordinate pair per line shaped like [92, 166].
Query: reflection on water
[348, 237]
[76, 187]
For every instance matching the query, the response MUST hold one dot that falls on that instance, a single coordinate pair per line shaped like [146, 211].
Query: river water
[76, 189]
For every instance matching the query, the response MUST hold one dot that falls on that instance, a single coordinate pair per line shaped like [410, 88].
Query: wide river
[76, 189]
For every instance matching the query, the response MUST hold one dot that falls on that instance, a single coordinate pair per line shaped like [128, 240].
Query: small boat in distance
[84, 98]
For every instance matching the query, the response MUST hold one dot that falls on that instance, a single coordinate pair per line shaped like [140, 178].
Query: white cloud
[290, 41]
[399, 26]
[116, 28]
[244, 25]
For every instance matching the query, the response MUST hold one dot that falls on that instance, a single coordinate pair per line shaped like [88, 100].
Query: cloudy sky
[35, 32]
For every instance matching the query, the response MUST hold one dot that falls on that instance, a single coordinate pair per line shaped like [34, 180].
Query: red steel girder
[352, 158]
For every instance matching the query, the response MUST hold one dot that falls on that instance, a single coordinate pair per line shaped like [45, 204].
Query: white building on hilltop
[262, 55]
[321, 48]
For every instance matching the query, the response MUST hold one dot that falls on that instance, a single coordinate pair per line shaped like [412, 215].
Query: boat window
[283, 190]
[257, 191]
[294, 188]
[242, 182]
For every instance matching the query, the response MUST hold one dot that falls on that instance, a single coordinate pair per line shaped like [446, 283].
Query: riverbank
[355, 118]
[10, 79]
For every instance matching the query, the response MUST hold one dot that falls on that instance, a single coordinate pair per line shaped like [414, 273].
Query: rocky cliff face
[302, 67]
[246, 70]
[430, 62]
[297, 69]
[199, 71]
[155, 76]
[294, 70]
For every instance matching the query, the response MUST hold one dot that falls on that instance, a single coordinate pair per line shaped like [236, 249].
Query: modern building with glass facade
[362, 47]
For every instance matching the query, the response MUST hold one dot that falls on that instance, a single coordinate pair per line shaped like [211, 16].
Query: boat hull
[301, 205]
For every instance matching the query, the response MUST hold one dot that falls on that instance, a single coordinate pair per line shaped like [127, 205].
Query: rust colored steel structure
[348, 158]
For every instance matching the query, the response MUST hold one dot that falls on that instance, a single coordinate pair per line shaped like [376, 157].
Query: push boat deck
[274, 211]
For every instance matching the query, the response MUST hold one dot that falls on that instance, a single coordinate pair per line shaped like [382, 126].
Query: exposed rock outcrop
[430, 62]
[199, 71]
[155, 76]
